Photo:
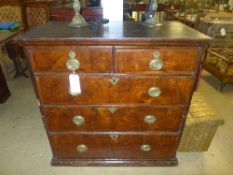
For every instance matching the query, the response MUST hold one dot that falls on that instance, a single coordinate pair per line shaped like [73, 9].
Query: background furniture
[200, 127]
[6, 37]
[218, 60]
[20, 10]
[12, 11]
[92, 13]
[48, 3]
[219, 63]
[61, 12]
[36, 15]
[66, 13]
[16, 54]
[135, 91]
[4, 91]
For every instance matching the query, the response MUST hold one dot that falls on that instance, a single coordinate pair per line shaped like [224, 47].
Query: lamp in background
[149, 18]
[78, 20]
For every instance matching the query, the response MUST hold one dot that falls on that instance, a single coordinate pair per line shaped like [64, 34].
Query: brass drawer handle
[149, 119]
[78, 120]
[154, 91]
[156, 63]
[72, 63]
[146, 148]
[82, 148]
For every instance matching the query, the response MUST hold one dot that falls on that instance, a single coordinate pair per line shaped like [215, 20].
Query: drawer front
[53, 59]
[169, 60]
[112, 118]
[114, 147]
[54, 89]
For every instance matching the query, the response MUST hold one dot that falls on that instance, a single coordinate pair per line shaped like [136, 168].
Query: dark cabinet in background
[4, 91]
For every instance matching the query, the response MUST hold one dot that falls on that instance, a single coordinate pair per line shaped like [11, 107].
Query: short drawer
[157, 60]
[114, 146]
[54, 89]
[112, 118]
[54, 59]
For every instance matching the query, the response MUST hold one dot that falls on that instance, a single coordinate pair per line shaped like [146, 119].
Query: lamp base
[78, 21]
[152, 22]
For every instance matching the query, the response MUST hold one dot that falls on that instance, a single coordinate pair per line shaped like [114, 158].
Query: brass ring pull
[82, 148]
[146, 148]
[72, 63]
[154, 92]
[78, 120]
[149, 119]
[156, 64]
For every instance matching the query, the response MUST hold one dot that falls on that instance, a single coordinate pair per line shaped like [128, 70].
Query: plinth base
[113, 162]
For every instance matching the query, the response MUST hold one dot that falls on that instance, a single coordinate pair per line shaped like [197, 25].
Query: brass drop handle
[146, 148]
[82, 148]
[149, 119]
[78, 120]
[72, 63]
[156, 63]
[154, 91]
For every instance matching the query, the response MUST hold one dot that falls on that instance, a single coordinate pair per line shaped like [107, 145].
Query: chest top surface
[115, 34]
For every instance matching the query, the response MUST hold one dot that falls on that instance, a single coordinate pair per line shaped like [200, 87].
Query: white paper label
[223, 31]
[75, 88]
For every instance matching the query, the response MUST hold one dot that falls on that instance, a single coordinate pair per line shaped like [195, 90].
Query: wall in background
[113, 9]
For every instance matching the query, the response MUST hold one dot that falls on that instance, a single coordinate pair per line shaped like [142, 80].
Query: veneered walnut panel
[54, 89]
[53, 59]
[185, 91]
[59, 119]
[175, 60]
[122, 147]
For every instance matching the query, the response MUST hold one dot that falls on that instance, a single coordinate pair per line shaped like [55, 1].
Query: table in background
[5, 36]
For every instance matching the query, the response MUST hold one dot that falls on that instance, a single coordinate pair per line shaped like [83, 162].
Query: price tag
[75, 88]
[223, 31]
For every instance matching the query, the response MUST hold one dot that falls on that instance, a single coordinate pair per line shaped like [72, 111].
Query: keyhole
[114, 80]
[114, 136]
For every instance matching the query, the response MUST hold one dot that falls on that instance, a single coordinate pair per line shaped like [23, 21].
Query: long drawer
[156, 90]
[114, 146]
[112, 118]
[54, 59]
[157, 60]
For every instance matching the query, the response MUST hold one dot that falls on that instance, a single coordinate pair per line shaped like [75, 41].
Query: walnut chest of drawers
[136, 86]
